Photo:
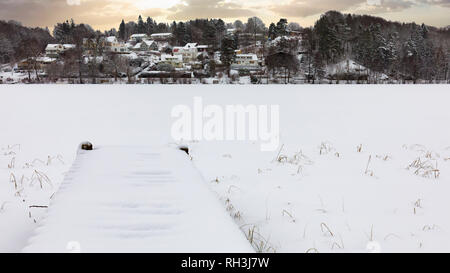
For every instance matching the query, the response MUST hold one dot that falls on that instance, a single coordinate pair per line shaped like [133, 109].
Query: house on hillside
[54, 50]
[68, 46]
[162, 36]
[43, 62]
[296, 33]
[137, 38]
[24, 64]
[245, 61]
[154, 56]
[38, 63]
[231, 31]
[112, 45]
[91, 45]
[145, 45]
[202, 48]
[251, 38]
[174, 60]
[189, 52]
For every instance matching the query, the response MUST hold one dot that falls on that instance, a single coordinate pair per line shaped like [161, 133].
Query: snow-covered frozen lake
[359, 165]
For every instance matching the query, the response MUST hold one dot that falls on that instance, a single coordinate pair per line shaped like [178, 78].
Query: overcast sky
[106, 14]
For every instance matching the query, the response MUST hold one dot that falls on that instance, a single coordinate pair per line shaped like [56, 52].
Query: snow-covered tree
[281, 27]
[272, 31]
[327, 31]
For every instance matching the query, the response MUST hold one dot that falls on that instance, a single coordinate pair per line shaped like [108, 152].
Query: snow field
[319, 192]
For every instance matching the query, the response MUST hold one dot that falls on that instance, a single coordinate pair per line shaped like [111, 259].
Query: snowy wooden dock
[136, 199]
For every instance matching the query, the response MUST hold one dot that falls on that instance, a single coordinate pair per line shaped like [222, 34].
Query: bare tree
[32, 51]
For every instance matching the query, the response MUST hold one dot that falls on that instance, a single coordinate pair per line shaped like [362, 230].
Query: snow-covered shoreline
[323, 193]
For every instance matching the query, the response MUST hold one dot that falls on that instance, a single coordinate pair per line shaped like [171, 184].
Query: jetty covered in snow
[136, 199]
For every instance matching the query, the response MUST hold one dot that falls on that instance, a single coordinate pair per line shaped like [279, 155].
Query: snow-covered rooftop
[190, 45]
[168, 57]
[138, 35]
[137, 46]
[54, 47]
[45, 59]
[250, 55]
[161, 34]
[69, 46]
[111, 39]
[148, 42]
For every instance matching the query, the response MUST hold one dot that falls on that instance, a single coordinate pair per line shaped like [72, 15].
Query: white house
[139, 37]
[189, 52]
[154, 56]
[111, 40]
[145, 45]
[53, 50]
[68, 46]
[162, 36]
[112, 45]
[217, 55]
[231, 31]
[202, 48]
[175, 60]
[245, 61]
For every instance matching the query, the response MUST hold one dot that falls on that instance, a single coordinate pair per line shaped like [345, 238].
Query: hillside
[18, 42]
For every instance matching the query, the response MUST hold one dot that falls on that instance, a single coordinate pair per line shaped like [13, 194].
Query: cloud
[304, 8]
[207, 9]
[101, 14]
[385, 6]
[443, 3]
[73, 2]
[104, 14]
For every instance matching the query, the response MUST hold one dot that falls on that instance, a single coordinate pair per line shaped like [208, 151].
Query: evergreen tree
[220, 28]
[209, 35]
[238, 25]
[282, 56]
[212, 68]
[141, 28]
[151, 26]
[441, 67]
[122, 30]
[327, 31]
[236, 40]
[380, 55]
[392, 53]
[180, 33]
[62, 32]
[308, 44]
[272, 31]
[188, 34]
[227, 52]
[281, 28]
